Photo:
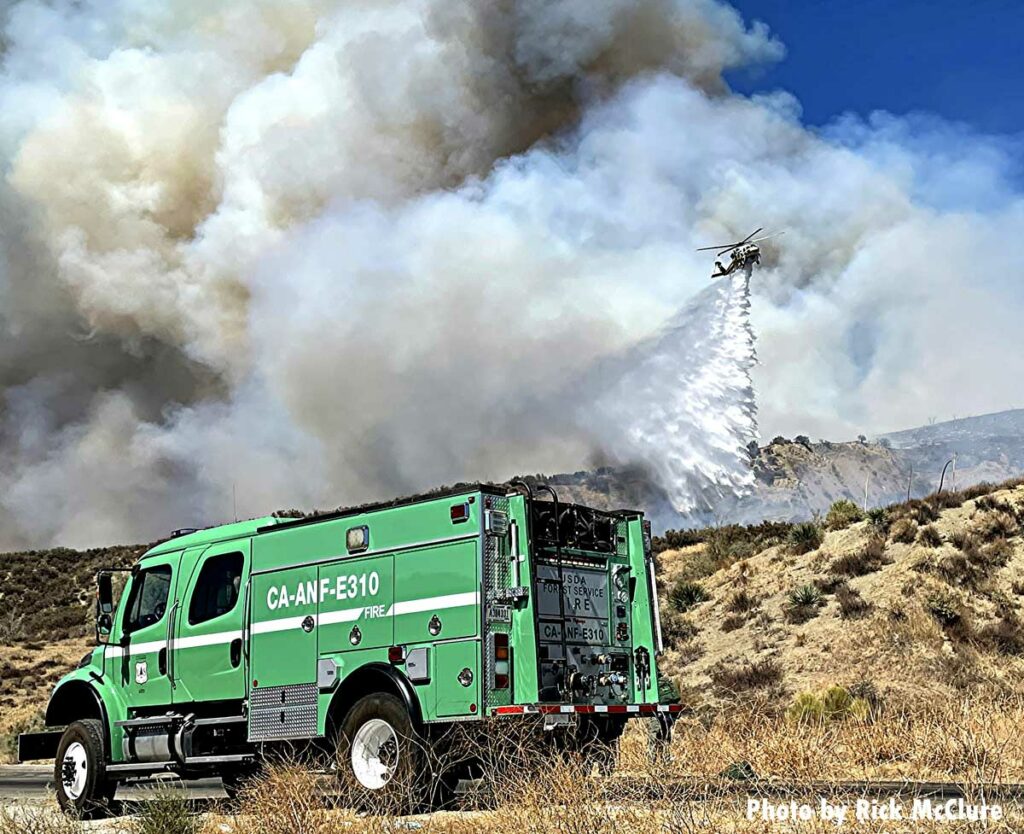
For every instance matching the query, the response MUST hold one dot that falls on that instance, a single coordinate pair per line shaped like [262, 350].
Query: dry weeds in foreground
[530, 790]
[969, 743]
[564, 800]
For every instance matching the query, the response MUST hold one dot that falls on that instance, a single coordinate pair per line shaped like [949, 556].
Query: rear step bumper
[587, 709]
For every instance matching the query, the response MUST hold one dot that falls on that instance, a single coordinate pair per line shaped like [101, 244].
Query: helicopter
[743, 253]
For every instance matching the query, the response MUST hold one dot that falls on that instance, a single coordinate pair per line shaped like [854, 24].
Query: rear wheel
[79, 773]
[380, 756]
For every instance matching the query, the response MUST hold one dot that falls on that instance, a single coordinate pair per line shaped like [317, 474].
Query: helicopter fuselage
[738, 258]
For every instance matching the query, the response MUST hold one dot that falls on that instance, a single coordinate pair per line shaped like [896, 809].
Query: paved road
[33, 782]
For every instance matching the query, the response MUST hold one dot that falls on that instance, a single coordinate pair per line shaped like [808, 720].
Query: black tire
[79, 772]
[391, 777]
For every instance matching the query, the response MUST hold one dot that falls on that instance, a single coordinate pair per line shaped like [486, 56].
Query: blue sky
[961, 59]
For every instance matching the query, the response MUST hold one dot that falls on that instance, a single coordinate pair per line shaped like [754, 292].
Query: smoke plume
[311, 252]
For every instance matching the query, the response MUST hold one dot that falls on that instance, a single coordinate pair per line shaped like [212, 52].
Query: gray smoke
[320, 252]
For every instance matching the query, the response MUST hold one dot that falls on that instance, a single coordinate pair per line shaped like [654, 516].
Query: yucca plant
[803, 538]
[685, 594]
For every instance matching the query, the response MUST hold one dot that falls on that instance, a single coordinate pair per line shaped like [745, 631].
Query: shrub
[994, 524]
[741, 602]
[867, 692]
[285, 799]
[979, 489]
[12, 627]
[29, 819]
[945, 609]
[1005, 636]
[989, 502]
[1017, 587]
[842, 514]
[903, 530]
[690, 651]
[806, 708]
[957, 568]
[166, 812]
[9, 741]
[804, 538]
[805, 595]
[946, 500]
[803, 604]
[995, 554]
[828, 584]
[929, 536]
[686, 594]
[835, 704]
[840, 704]
[868, 559]
[922, 511]
[878, 518]
[852, 605]
[733, 622]
[676, 629]
[962, 539]
[733, 677]
[727, 543]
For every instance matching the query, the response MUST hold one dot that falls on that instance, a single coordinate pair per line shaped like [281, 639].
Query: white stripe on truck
[345, 615]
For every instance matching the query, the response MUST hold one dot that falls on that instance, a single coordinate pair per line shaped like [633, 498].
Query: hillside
[46, 599]
[798, 478]
[922, 600]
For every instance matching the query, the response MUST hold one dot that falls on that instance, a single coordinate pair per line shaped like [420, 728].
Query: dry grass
[37, 819]
[968, 741]
[528, 788]
[875, 617]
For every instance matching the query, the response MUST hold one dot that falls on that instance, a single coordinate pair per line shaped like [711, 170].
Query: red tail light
[501, 661]
[396, 654]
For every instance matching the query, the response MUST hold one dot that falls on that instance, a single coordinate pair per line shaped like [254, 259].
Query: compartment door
[283, 654]
[355, 604]
[437, 592]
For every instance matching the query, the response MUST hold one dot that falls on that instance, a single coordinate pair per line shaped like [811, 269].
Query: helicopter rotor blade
[720, 245]
[768, 237]
[725, 247]
[748, 237]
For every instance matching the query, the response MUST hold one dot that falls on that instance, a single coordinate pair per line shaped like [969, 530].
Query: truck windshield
[148, 600]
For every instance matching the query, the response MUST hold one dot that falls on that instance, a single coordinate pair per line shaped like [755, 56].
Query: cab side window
[148, 600]
[217, 589]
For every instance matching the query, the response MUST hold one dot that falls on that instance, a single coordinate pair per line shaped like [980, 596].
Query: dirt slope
[922, 602]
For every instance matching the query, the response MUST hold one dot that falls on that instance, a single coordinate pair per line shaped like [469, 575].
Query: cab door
[140, 658]
[207, 651]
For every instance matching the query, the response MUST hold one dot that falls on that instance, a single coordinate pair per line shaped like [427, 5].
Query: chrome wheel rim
[375, 754]
[74, 770]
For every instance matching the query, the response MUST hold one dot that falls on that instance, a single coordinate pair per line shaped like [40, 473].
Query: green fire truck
[365, 632]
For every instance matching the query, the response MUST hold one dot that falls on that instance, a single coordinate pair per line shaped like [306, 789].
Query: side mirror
[104, 606]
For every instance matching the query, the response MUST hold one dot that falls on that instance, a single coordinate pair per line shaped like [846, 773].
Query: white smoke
[682, 402]
[312, 253]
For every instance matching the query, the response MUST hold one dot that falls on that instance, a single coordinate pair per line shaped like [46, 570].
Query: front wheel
[381, 757]
[79, 773]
